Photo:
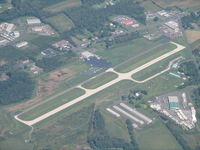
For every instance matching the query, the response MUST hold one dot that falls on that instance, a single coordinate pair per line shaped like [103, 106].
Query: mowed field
[192, 35]
[60, 22]
[179, 3]
[51, 103]
[156, 68]
[146, 56]
[150, 6]
[100, 80]
[156, 137]
[122, 52]
[63, 5]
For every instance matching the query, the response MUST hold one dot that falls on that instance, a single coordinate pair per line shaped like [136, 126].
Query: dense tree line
[99, 138]
[2, 1]
[18, 87]
[177, 134]
[84, 17]
[196, 98]
[94, 19]
[49, 64]
[24, 8]
[132, 96]
[122, 39]
[189, 69]
[189, 19]
[131, 134]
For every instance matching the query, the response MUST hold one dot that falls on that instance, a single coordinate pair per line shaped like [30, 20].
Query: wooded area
[17, 88]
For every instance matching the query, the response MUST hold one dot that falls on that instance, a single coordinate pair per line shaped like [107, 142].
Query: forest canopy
[18, 87]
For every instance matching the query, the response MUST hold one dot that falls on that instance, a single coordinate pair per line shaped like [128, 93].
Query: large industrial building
[173, 102]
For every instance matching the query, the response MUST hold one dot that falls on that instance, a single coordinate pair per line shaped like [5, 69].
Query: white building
[31, 21]
[163, 13]
[21, 44]
[37, 29]
[173, 25]
[8, 27]
[87, 54]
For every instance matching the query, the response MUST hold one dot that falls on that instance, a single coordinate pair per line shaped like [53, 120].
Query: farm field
[192, 35]
[100, 80]
[60, 22]
[53, 102]
[145, 57]
[180, 3]
[156, 137]
[63, 5]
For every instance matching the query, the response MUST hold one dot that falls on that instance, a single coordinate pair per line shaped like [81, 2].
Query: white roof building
[173, 25]
[33, 21]
[163, 13]
[21, 44]
[8, 27]
[87, 54]
[37, 29]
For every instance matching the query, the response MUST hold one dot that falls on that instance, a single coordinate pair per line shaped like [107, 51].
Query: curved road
[90, 92]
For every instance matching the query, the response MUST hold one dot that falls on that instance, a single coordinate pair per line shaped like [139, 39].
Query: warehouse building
[33, 21]
[173, 102]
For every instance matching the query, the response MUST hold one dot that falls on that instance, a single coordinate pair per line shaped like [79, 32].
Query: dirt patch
[3, 77]
[45, 87]
[192, 35]
[2, 62]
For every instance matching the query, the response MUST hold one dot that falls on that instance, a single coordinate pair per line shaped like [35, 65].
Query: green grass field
[156, 68]
[60, 22]
[136, 62]
[122, 52]
[67, 131]
[160, 85]
[150, 7]
[53, 103]
[156, 137]
[100, 80]
[63, 5]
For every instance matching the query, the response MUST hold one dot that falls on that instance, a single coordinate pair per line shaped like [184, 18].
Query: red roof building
[128, 21]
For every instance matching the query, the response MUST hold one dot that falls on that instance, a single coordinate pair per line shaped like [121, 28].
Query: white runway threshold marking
[90, 92]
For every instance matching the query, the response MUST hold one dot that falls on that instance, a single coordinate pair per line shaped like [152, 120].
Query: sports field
[100, 80]
[60, 22]
[52, 102]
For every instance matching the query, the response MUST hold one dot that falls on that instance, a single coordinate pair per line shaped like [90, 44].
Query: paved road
[90, 92]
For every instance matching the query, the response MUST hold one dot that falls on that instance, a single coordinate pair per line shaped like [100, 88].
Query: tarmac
[90, 92]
